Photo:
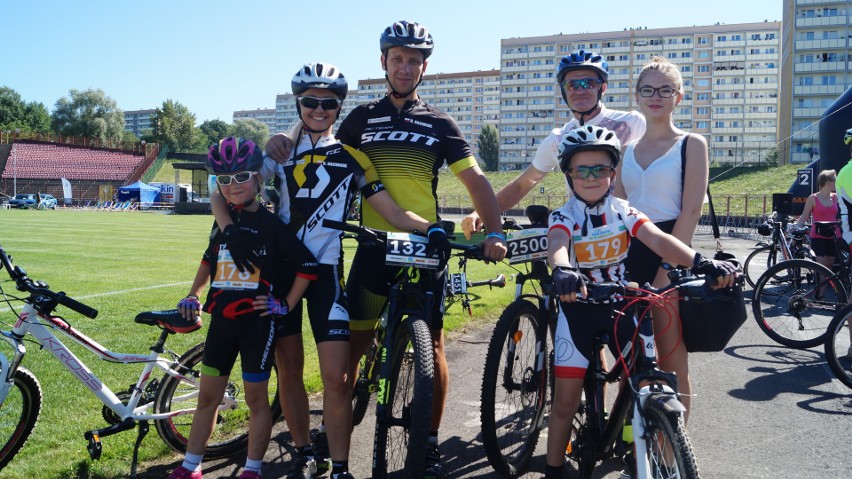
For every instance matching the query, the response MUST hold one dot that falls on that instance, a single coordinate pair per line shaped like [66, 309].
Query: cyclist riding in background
[408, 141]
[843, 187]
[588, 240]
[319, 181]
[582, 79]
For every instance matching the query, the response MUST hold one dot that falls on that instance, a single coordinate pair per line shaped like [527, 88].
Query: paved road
[760, 411]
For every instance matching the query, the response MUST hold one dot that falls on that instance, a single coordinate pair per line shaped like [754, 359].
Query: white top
[657, 190]
[628, 126]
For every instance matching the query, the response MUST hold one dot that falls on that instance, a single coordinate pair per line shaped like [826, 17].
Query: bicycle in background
[169, 402]
[779, 247]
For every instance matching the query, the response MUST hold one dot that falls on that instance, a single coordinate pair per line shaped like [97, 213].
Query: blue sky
[216, 57]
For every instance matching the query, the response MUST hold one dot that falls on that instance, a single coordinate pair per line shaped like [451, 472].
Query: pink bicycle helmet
[233, 155]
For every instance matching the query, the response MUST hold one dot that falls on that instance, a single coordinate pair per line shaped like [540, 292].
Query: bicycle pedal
[94, 446]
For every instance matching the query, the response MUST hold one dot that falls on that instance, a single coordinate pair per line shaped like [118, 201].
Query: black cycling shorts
[641, 263]
[327, 309]
[252, 338]
[824, 247]
[576, 327]
[369, 285]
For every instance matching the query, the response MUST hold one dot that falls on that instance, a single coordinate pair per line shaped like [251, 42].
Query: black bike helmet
[586, 138]
[847, 138]
[407, 34]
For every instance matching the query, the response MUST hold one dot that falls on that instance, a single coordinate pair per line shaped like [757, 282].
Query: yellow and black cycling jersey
[407, 148]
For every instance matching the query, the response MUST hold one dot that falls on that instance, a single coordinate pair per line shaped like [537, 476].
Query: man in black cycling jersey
[407, 142]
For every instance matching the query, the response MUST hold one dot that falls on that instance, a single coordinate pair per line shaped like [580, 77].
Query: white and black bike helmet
[320, 75]
[588, 138]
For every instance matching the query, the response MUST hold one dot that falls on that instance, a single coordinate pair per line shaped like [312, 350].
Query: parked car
[24, 200]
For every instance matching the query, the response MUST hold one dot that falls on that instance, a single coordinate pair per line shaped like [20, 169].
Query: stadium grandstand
[37, 164]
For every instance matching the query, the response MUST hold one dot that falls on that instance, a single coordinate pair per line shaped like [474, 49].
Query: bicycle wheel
[668, 452]
[796, 310]
[405, 403]
[513, 392]
[361, 392]
[19, 414]
[757, 262]
[231, 433]
[838, 345]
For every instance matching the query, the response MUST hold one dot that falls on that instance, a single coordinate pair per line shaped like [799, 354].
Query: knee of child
[336, 382]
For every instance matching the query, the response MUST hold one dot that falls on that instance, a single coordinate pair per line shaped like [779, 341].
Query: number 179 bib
[602, 246]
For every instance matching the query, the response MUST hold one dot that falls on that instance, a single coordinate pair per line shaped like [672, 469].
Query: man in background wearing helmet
[243, 308]
[319, 181]
[582, 79]
[588, 241]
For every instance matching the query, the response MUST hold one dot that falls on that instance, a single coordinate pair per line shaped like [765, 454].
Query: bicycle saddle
[170, 320]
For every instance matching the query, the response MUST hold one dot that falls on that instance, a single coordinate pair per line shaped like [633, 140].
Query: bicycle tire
[668, 449]
[402, 432]
[757, 262]
[24, 401]
[796, 310]
[838, 345]
[361, 392]
[231, 433]
[512, 399]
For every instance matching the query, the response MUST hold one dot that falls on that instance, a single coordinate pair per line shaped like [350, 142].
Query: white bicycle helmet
[587, 138]
[320, 75]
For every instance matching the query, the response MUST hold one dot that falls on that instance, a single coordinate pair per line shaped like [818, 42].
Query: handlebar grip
[81, 308]
[339, 225]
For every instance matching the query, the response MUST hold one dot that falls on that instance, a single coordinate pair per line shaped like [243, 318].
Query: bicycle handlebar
[698, 287]
[38, 288]
[364, 234]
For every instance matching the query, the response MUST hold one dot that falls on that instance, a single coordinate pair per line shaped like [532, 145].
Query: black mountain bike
[404, 350]
[795, 300]
[779, 248]
[517, 365]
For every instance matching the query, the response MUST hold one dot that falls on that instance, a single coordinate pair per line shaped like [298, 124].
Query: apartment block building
[817, 48]
[471, 98]
[731, 81]
[137, 121]
[263, 115]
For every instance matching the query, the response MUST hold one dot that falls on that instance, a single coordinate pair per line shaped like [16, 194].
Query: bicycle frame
[40, 327]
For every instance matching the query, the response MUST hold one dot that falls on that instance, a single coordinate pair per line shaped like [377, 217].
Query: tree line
[93, 114]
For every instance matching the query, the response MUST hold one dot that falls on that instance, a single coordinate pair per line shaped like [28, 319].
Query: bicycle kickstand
[143, 430]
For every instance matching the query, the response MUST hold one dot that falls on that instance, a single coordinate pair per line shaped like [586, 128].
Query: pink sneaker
[250, 475]
[184, 473]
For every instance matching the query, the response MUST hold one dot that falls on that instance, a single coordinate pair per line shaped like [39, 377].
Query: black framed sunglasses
[588, 172]
[240, 177]
[581, 84]
[313, 102]
[663, 91]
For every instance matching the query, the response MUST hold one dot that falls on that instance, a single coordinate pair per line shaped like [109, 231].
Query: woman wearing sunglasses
[668, 186]
[320, 180]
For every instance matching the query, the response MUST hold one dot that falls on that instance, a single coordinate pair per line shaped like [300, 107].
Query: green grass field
[121, 263]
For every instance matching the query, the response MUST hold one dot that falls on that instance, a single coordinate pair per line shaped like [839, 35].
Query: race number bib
[457, 282]
[603, 246]
[228, 276]
[527, 245]
[404, 249]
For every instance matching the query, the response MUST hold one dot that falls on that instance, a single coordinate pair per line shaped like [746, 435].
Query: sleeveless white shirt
[658, 190]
